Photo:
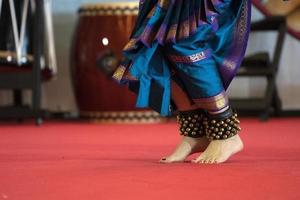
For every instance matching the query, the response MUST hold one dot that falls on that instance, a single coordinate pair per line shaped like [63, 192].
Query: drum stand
[260, 65]
[18, 79]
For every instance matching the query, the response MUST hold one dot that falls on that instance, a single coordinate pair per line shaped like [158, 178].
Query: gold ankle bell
[191, 123]
[221, 127]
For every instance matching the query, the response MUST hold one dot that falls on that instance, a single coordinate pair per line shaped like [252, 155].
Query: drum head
[290, 9]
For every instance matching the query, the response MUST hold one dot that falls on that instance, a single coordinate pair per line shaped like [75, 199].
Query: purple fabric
[236, 53]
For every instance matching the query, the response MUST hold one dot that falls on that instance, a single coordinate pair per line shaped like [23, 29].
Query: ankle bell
[221, 126]
[191, 123]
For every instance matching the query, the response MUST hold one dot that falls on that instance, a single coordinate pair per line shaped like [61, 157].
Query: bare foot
[218, 151]
[186, 147]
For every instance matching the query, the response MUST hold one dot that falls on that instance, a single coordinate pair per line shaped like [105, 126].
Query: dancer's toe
[211, 161]
[185, 148]
[165, 160]
[200, 159]
[207, 161]
[219, 151]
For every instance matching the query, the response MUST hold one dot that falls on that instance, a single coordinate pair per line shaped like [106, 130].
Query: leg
[204, 86]
[181, 99]
[222, 130]
[188, 145]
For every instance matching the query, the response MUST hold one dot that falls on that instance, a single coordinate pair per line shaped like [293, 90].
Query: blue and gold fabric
[197, 43]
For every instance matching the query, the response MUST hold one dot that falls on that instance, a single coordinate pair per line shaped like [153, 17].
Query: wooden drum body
[102, 32]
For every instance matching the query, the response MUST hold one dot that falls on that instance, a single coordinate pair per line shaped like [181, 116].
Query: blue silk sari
[197, 43]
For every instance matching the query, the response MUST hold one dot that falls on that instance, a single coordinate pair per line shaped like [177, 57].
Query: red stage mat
[80, 161]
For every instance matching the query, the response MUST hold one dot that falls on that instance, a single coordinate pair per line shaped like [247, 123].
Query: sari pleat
[183, 28]
[192, 20]
[172, 32]
[174, 20]
[162, 32]
[202, 17]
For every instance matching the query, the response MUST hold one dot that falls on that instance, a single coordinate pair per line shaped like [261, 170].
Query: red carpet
[64, 160]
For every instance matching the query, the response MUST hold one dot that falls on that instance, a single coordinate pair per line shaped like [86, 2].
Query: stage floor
[84, 161]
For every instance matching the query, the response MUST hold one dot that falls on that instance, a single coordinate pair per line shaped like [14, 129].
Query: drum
[290, 9]
[101, 33]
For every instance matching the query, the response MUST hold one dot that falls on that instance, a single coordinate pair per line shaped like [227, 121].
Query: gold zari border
[188, 59]
[214, 103]
[119, 73]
